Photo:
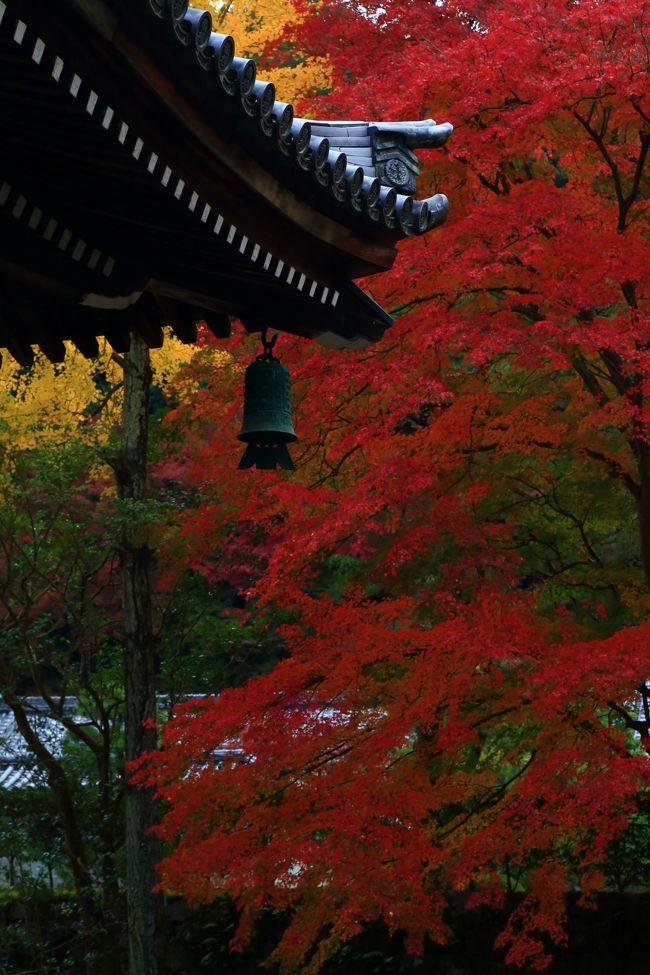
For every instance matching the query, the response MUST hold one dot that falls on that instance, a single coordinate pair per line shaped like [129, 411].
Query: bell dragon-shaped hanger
[267, 427]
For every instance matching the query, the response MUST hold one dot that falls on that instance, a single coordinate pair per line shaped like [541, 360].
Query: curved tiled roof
[368, 168]
[149, 177]
[19, 767]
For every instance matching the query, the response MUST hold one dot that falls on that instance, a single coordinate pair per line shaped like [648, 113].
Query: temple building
[147, 177]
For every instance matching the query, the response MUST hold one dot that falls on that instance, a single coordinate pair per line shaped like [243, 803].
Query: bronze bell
[267, 426]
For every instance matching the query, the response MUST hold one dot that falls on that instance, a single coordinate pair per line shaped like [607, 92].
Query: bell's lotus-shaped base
[266, 457]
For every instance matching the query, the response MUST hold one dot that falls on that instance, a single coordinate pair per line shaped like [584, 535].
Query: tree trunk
[95, 963]
[643, 505]
[131, 474]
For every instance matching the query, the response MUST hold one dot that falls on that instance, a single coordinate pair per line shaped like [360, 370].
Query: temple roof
[18, 766]
[148, 178]
[362, 172]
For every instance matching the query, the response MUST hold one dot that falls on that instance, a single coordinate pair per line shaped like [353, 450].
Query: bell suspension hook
[268, 344]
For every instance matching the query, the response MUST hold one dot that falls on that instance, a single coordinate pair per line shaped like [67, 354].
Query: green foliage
[206, 646]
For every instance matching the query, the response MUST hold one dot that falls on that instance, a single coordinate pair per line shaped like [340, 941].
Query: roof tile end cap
[426, 134]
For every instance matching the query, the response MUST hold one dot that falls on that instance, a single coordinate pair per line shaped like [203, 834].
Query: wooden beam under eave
[117, 337]
[86, 344]
[37, 319]
[180, 317]
[21, 350]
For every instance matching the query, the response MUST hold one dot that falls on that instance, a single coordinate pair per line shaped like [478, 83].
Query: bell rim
[254, 437]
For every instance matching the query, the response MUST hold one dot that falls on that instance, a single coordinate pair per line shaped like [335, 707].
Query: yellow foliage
[253, 23]
[48, 404]
[166, 361]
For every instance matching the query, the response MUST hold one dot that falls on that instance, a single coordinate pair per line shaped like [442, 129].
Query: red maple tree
[463, 555]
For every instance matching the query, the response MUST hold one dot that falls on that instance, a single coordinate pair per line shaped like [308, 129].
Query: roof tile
[343, 157]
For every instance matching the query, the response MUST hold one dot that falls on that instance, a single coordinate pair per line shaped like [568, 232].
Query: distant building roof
[147, 178]
[18, 766]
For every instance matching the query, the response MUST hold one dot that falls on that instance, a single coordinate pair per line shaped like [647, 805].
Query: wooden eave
[172, 97]
[133, 192]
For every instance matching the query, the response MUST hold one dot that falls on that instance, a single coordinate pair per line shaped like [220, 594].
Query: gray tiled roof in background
[18, 766]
